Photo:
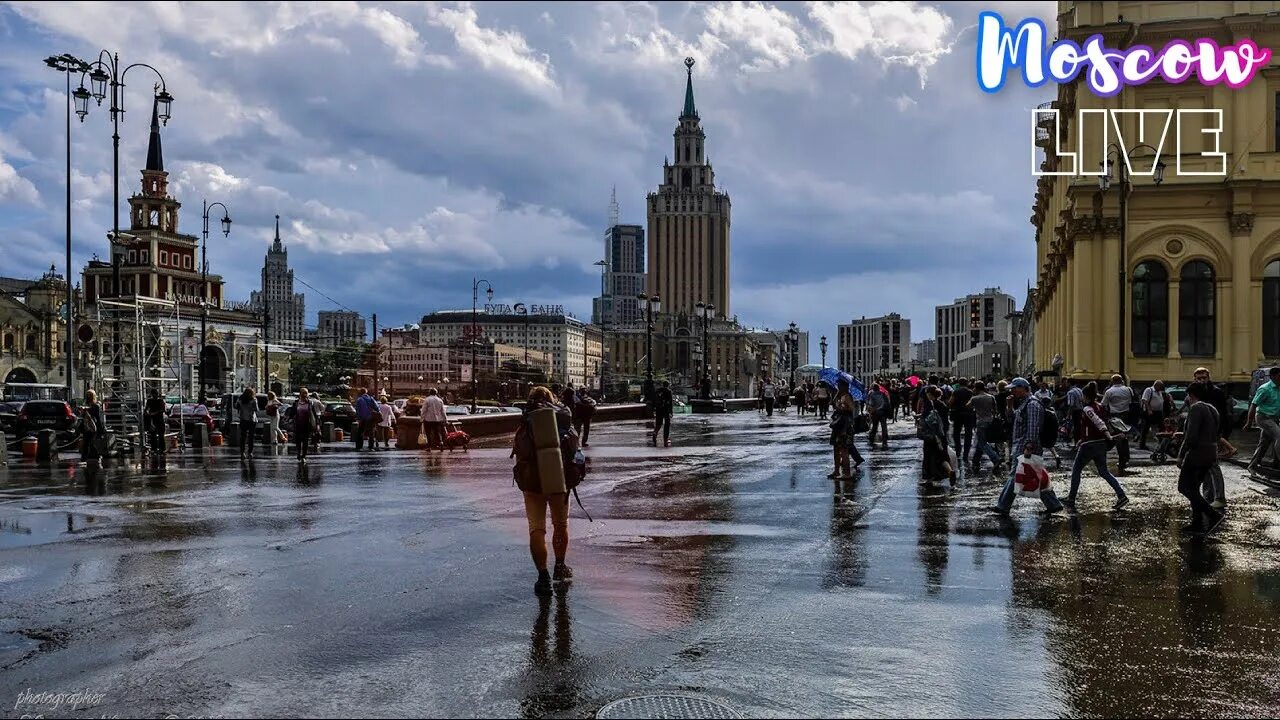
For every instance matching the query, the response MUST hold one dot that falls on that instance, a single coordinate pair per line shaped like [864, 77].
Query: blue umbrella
[833, 375]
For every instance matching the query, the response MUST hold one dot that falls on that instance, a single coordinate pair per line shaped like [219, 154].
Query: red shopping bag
[1031, 476]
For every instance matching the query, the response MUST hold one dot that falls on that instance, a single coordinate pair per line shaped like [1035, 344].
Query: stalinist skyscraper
[689, 223]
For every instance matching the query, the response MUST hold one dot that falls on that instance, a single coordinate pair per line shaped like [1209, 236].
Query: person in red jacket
[1091, 434]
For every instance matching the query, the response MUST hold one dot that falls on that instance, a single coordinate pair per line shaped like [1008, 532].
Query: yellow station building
[1199, 263]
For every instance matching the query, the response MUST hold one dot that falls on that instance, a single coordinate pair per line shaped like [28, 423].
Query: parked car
[9, 415]
[341, 414]
[457, 410]
[37, 415]
[185, 415]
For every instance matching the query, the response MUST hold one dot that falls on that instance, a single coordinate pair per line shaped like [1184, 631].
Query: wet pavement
[728, 566]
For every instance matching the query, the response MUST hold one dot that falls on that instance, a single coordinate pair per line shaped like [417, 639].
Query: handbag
[88, 424]
[861, 423]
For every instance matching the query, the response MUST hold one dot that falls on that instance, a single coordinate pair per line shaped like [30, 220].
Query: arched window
[1196, 310]
[8, 341]
[1150, 312]
[1271, 309]
[31, 342]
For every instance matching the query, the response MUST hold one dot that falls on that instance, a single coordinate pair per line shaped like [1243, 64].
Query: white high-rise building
[972, 320]
[869, 346]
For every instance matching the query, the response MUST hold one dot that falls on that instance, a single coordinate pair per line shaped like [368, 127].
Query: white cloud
[904, 102]
[773, 35]
[631, 35]
[14, 188]
[504, 51]
[904, 33]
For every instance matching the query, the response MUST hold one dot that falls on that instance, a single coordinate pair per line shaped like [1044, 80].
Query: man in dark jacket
[1214, 487]
[663, 409]
[156, 422]
[1199, 453]
[367, 418]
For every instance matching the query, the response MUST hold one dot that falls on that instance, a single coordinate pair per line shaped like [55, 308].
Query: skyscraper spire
[155, 154]
[275, 246]
[689, 110]
[613, 207]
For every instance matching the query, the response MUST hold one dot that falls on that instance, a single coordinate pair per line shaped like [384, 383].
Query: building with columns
[1188, 273]
[285, 308]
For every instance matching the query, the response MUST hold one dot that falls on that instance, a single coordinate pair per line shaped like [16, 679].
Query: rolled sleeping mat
[551, 471]
[546, 434]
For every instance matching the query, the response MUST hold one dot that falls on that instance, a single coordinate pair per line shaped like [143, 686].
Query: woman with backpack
[934, 430]
[1092, 436]
[528, 479]
[843, 432]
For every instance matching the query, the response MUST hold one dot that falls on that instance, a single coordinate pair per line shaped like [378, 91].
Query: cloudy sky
[410, 146]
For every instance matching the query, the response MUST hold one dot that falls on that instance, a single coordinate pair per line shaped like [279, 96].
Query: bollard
[326, 432]
[233, 434]
[45, 445]
[4, 449]
[28, 447]
[199, 436]
[216, 439]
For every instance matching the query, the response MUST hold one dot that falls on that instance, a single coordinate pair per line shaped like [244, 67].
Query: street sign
[466, 373]
[190, 349]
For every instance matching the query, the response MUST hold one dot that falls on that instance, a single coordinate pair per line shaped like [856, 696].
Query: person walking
[800, 400]
[306, 423]
[584, 410]
[1199, 453]
[1215, 491]
[983, 407]
[842, 432]
[273, 419]
[663, 408]
[1118, 401]
[386, 421]
[878, 411]
[1028, 416]
[247, 411]
[1264, 412]
[1092, 435]
[936, 430]
[367, 418]
[154, 415]
[91, 427]
[433, 419]
[962, 420]
[822, 395]
[536, 502]
[766, 391]
[1156, 404]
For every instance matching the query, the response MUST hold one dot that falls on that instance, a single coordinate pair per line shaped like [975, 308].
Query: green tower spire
[689, 110]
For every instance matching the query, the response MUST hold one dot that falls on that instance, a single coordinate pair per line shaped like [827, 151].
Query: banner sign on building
[498, 309]
[190, 349]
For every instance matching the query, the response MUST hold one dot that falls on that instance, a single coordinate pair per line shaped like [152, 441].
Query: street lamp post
[204, 281]
[793, 335]
[822, 345]
[522, 309]
[604, 325]
[475, 298]
[706, 309]
[1114, 152]
[67, 64]
[103, 71]
[651, 305]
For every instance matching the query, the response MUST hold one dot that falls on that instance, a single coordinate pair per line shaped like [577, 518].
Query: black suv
[37, 415]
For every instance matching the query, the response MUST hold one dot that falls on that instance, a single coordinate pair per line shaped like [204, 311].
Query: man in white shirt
[433, 419]
[1118, 399]
[387, 418]
[1154, 409]
[768, 397]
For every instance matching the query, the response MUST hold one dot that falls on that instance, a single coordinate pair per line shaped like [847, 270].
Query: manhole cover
[666, 706]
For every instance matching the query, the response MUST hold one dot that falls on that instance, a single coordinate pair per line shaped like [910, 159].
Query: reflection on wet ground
[727, 565]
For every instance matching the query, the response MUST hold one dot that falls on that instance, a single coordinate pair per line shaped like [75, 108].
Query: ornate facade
[32, 332]
[1189, 273]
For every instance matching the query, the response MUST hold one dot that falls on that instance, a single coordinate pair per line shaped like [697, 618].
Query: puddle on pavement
[38, 528]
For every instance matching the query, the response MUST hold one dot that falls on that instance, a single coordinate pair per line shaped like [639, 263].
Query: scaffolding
[141, 336]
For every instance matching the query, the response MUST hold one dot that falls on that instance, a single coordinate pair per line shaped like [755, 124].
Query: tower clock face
[64, 311]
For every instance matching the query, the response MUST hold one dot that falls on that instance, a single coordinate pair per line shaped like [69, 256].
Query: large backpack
[525, 472]
[1048, 424]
